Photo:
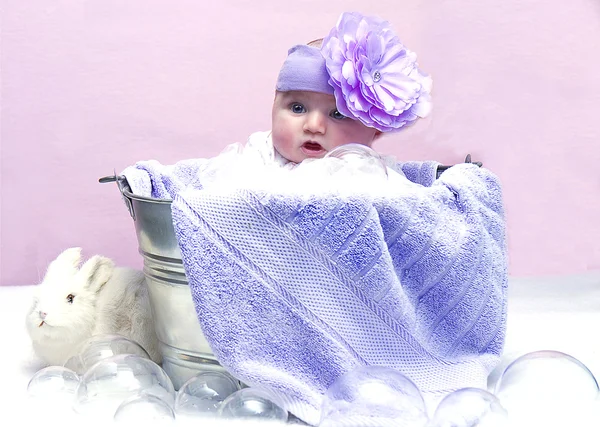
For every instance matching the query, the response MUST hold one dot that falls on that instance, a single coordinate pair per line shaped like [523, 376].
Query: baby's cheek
[281, 137]
[359, 133]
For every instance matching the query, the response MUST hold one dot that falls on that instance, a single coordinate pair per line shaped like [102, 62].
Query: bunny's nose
[43, 314]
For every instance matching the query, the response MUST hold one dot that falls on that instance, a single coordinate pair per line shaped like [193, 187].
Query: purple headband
[373, 76]
[304, 69]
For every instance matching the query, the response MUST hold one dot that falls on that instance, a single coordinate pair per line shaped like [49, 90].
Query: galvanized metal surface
[183, 346]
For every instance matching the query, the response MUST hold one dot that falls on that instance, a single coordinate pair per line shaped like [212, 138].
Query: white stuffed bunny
[74, 303]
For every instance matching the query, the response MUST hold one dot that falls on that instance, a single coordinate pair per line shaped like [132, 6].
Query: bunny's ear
[66, 264]
[96, 272]
[69, 257]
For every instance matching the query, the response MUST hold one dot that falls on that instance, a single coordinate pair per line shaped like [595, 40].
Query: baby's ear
[96, 272]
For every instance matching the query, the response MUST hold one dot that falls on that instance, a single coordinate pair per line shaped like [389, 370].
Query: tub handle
[442, 168]
[123, 185]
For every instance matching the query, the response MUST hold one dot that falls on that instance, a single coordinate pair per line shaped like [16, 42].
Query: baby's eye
[337, 115]
[70, 298]
[297, 108]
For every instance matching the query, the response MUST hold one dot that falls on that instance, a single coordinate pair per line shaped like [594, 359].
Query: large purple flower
[374, 76]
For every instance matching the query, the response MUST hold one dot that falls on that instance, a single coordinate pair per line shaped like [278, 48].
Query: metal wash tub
[183, 346]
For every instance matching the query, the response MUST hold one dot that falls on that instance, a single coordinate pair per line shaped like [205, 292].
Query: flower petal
[348, 73]
[358, 100]
[423, 106]
[340, 102]
[401, 86]
[362, 30]
[384, 97]
[367, 93]
[375, 48]
[366, 77]
[358, 48]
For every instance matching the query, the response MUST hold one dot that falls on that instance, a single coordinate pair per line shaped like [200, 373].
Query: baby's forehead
[306, 96]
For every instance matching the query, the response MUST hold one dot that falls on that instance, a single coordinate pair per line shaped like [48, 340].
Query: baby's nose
[316, 122]
[43, 314]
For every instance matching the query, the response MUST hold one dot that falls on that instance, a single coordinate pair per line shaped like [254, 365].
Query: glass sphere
[144, 408]
[51, 392]
[546, 386]
[111, 381]
[373, 395]
[361, 157]
[203, 393]
[53, 381]
[100, 347]
[251, 403]
[469, 407]
[592, 416]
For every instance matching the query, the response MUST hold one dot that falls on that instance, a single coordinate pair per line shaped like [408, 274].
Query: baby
[349, 87]
[352, 86]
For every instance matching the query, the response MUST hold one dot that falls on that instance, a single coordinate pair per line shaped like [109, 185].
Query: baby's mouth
[311, 148]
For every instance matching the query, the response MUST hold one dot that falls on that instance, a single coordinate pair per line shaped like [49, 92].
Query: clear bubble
[52, 381]
[144, 408]
[470, 407]
[546, 386]
[111, 381]
[203, 393]
[252, 403]
[353, 150]
[591, 417]
[100, 347]
[51, 392]
[373, 395]
[361, 157]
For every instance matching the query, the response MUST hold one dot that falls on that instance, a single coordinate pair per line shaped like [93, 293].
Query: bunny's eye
[70, 298]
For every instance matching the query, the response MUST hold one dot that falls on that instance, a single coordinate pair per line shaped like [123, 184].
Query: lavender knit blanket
[294, 288]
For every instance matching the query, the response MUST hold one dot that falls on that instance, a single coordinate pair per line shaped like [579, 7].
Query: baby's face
[308, 125]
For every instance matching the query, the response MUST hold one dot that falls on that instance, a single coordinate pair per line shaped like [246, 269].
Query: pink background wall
[92, 86]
